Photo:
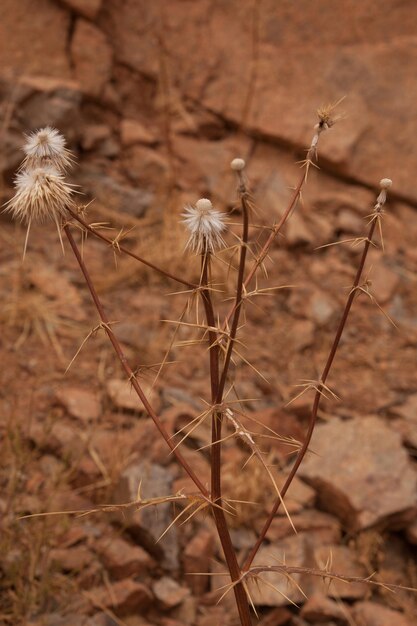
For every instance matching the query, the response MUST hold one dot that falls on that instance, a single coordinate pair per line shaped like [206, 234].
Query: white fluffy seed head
[237, 165]
[385, 183]
[46, 147]
[41, 194]
[205, 226]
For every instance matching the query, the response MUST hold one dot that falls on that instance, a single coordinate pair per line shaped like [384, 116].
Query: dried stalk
[321, 385]
[216, 496]
[120, 248]
[128, 370]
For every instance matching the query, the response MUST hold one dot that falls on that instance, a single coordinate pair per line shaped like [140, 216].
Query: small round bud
[237, 165]
[385, 183]
[203, 205]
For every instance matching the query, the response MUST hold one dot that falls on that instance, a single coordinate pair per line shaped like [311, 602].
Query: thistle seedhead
[46, 147]
[237, 165]
[205, 225]
[41, 194]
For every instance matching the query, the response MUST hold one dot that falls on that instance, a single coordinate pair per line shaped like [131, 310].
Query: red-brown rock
[361, 472]
[124, 396]
[37, 46]
[373, 614]
[80, 403]
[86, 8]
[277, 617]
[196, 560]
[319, 608]
[92, 57]
[169, 593]
[123, 597]
[147, 525]
[122, 559]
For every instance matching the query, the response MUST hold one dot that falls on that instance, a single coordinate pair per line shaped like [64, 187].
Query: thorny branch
[377, 213]
[123, 360]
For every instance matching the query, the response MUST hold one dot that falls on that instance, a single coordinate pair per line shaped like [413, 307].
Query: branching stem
[218, 513]
[317, 398]
[123, 360]
[99, 235]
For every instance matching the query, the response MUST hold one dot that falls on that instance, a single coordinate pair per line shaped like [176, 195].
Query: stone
[92, 57]
[122, 597]
[373, 614]
[145, 166]
[277, 589]
[361, 472]
[37, 46]
[344, 561]
[406, 420]
[305, 550]
[349, 222]
[74, 559]
[319, 608]
[57, 287]
[322, 308]
[147, 525]
[122, 559]
[383, 281]
[407, 410]
[286, 426]
[80, 403]
[318, 524]
[303, 334]
[133, 132]
[44, 100]
[86, 8]
[298, 496]
[94, 135]
[297, 231]
[213, 616]
[60, 438]
[101, 619]
[113, 193]
[185, 613]
[277, 617]
[169, 593]
[282, 106]
[411, 532]
[124, 396]
[196, 560]
[69, 619]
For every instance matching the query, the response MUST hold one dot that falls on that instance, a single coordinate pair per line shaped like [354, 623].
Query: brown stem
[97, 234]
[274, 232]
[239, 291]
[317, 398]
[218, 513]
[129, 372]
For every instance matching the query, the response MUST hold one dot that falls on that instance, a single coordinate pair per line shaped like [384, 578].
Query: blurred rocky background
[155, 98]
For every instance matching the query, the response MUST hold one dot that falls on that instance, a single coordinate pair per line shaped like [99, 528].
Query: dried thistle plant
[41, 191]
[43, 194]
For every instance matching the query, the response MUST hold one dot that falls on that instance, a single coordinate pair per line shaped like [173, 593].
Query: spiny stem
[218, 513]
[97, 234]
[317, 398]
[239, 288]
[311, 154]
[123, 360]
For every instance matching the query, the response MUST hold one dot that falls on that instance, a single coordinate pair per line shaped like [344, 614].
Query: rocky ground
[155, 101]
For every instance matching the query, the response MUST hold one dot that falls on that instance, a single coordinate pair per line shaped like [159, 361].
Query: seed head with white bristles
[41, 194]
[46, 147]
[205, 225]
